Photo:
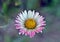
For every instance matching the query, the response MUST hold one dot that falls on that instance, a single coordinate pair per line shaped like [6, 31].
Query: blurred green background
[50, 9]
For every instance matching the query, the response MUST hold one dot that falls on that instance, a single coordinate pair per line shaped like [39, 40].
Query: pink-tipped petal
[22, 31]
[32, 34]
[26, 33]
[39, 29]
[21, 18]
[17, 26]
[42, 22]
[41, 18]
[16, 21]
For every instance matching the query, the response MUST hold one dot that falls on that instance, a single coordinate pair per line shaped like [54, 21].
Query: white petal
[19, 33]
[22, 28]
[38, 25]
[36, 15]
[21, 24]
[33, 13]
[19, 19]
[25, 14]
[37, 19]
[30, 14]
[21, 16]
[41, 18]
[41, 31]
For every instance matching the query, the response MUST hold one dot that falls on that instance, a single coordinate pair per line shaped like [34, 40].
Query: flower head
[29, 23]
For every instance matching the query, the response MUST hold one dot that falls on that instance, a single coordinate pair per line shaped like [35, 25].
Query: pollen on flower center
[30, 24]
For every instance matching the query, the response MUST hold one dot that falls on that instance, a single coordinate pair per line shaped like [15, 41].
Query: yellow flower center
[30, 23]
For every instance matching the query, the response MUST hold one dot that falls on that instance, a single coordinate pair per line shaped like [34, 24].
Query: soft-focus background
[50, 9]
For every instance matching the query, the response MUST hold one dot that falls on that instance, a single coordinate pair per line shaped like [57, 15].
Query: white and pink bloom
[29, 23]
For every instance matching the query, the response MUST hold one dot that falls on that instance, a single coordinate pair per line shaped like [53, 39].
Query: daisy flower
[29, 23]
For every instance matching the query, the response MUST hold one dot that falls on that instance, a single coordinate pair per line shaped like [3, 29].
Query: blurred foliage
[9, 8]
[22, 39]
[18, 2]
[55, 2]
[32, 4]
[7, 38]
[5, 8]
[7, 5]
[58, 12]
[45, 3]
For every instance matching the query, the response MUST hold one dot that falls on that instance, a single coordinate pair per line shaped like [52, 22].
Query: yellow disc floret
[30, 24]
